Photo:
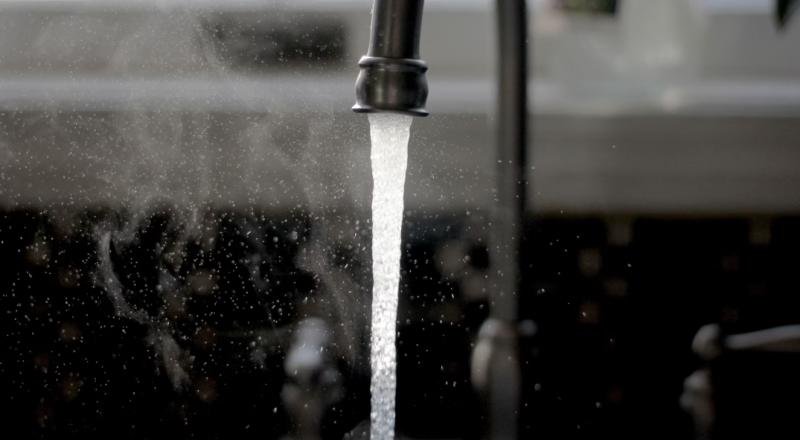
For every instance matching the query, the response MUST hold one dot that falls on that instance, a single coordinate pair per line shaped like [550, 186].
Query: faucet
[392, 80]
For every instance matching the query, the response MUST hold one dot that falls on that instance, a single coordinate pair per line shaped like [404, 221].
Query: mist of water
[389, 135]
[152, 156]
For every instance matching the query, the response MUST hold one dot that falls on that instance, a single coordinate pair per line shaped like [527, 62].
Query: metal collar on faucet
[392, 77]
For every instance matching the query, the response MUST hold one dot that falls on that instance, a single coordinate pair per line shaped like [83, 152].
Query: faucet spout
[392, 77]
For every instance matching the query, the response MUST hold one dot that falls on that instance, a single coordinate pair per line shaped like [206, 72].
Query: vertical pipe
[495, 361]
[512, 119]
[396, 26]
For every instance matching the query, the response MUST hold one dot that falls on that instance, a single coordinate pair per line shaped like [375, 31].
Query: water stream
[389, 134]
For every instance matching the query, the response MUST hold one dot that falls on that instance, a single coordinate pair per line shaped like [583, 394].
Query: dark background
[616, 300]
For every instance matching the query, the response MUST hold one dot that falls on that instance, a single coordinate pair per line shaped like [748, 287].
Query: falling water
[389, 135]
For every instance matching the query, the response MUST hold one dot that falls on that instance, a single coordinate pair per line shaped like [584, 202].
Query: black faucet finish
[392, 77]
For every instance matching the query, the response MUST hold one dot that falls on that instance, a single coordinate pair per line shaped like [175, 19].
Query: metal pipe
[496, 369]
[512, 132]
[392, 77]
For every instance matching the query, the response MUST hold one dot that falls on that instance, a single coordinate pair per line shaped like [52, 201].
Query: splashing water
[389, 135]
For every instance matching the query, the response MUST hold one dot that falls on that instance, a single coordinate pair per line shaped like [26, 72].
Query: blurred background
[185, 212]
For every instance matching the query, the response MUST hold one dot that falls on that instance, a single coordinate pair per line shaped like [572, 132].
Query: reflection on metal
[314, 383]
[697, 400]
[496, 377]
